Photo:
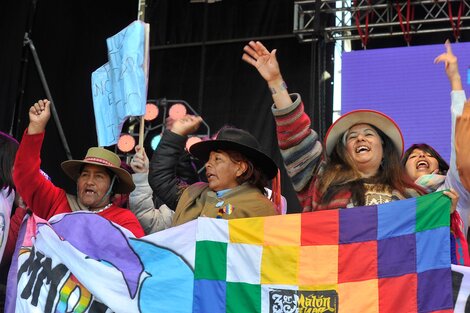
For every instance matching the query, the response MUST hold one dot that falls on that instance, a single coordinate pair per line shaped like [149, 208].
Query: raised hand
[264, 61]
[140, 161]
[39, 114]
[451, 66]
[454, 197]
[186, 125]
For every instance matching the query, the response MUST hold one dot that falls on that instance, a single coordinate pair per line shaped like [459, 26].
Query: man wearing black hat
[97, 177]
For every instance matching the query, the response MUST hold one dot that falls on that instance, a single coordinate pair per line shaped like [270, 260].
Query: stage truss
[364, 19]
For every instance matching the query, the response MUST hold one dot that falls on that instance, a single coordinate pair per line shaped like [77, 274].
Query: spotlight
[155, 141]
[151, 112]
[126, 143]
[177, 111]
[191, 141]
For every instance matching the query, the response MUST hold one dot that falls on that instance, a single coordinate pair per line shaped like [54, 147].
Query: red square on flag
[320, 228]
[357, 261]
[398, 294]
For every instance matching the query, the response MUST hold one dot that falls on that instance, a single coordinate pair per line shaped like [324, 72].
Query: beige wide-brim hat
[378, 119]
[101, 157]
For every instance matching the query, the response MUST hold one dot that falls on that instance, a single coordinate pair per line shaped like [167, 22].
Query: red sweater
[47, 200]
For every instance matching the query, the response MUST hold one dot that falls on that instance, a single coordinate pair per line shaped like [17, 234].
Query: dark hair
[341, 175]
[442, 164]
[253, 175]
[8, 149]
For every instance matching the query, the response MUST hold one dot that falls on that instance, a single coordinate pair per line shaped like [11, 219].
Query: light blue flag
[120, 86]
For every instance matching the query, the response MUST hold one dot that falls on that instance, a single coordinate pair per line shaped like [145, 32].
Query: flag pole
[141, 17]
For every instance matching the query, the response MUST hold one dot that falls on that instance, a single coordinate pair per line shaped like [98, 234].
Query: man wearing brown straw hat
[97, 176]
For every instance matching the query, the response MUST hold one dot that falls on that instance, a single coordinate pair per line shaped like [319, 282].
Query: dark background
[196, 51]
[195, 55]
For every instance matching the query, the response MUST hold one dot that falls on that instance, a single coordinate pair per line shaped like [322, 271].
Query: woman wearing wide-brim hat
[236, 169]
[359, 163]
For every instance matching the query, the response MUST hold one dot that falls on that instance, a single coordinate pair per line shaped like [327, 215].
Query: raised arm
[462, 145]
[37, 192]
[162, 175]
[454, 178]
[300, 146]
[457, 95]
[256, 54]
[451, 67]
[141, 199]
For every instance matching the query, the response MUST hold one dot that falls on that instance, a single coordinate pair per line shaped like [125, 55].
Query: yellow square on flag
[313, 258]
[279, 265]
[282, 230]
[246, 230]
[362, 296]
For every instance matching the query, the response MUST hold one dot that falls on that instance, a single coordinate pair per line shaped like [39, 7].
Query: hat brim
[125, 184]
[371, 117]
[202, 150]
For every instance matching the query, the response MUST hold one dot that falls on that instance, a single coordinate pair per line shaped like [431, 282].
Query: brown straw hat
[101, 157]
[237, 140]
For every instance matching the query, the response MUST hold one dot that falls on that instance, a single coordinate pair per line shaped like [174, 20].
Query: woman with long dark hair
[359, 163]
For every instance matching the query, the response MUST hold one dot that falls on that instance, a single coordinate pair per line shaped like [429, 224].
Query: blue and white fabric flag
[119, 87]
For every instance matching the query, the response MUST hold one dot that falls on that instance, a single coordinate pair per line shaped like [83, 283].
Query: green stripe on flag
[432, 211]
[211, 260]
[242, 297]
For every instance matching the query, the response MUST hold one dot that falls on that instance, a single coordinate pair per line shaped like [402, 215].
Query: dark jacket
[171, 169]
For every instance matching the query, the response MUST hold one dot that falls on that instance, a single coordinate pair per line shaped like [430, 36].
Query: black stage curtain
[196, 51]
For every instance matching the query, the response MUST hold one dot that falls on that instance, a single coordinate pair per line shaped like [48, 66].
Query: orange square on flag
[404, 301]
[320, 228]
[318, 265]
[360, 296]
[282, 230]
[246, 230]
[357, 261]
[279, 265]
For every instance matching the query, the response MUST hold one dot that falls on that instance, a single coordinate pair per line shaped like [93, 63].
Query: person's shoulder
[251, 193]
[197, 186]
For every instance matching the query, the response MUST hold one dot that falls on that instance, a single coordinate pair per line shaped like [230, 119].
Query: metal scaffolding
[354, 20]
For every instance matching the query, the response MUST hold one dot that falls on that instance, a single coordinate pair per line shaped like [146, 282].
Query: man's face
[92, 184]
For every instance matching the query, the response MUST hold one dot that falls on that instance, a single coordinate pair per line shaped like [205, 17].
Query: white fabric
[6, 203]
[283, 200]
[463, 292]
[141, 204]
[119, 272]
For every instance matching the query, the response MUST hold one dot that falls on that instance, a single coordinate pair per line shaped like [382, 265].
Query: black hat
[237, 140]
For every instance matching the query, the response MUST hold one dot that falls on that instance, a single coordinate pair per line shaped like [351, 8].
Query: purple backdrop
[405, 84]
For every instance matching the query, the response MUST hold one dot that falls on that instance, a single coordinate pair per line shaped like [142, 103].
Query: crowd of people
[360, 162]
